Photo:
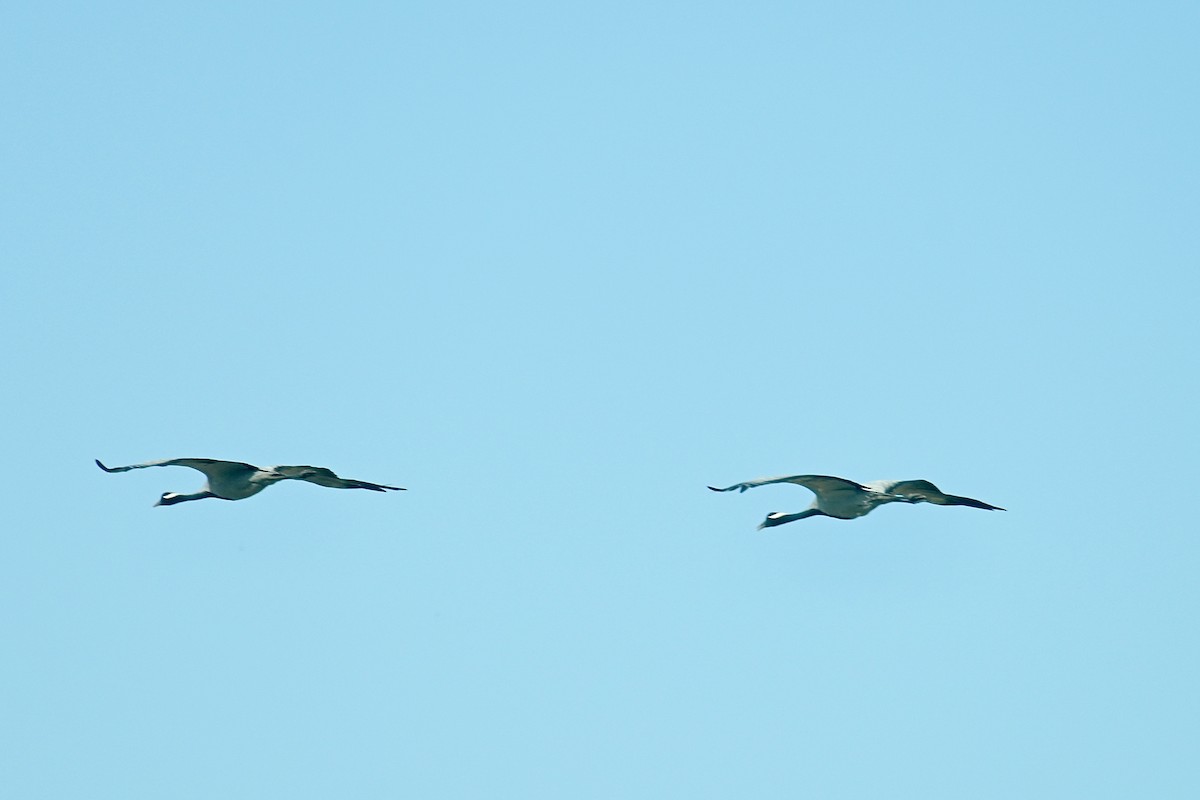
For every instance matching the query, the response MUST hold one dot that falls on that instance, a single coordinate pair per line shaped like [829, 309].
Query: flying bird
[234, 480]
[845, 499]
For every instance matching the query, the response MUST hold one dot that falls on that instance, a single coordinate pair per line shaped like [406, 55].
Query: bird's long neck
[777, 518]
[171, 498]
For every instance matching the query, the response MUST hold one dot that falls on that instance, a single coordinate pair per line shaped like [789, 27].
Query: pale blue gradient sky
[556, 267]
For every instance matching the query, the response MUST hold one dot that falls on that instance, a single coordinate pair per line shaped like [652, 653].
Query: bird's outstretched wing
[326, 477]
[924, 490]
[211, 467]
[821, 484]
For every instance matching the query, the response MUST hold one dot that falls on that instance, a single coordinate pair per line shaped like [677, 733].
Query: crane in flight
[846, 499]
[235, 480]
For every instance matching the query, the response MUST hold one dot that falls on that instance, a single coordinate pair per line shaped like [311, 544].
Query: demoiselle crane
[845, 499]
[235, 480]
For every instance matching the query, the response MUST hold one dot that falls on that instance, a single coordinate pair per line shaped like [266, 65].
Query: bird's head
[168, 499]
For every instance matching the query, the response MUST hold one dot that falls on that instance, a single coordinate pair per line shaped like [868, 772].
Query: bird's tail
[955, 500]
[374, 487]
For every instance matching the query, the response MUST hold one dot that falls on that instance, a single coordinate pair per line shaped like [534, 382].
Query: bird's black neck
[172, 499]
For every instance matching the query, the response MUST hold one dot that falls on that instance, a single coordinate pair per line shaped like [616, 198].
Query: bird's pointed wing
[326, 477]
[211, 467]
[924, 490]
[821, 484]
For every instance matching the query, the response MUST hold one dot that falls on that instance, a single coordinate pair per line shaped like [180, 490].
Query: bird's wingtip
[101, 466]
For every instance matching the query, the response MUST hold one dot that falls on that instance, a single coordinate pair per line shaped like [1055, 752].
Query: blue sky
[555, 268]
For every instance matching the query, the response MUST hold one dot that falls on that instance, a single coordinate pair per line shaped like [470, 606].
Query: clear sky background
[555, 267]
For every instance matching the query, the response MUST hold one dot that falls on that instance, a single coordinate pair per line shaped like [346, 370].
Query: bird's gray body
[847, 499]
[236, 480]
